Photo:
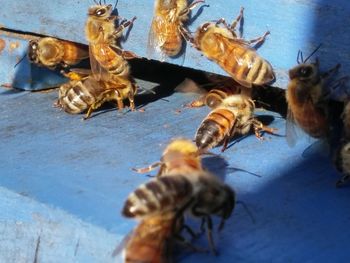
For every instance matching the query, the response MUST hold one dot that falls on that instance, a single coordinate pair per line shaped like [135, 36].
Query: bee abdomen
[251, 68]
[76, 99]
[214, 128]
[217, 95]
[159, 195]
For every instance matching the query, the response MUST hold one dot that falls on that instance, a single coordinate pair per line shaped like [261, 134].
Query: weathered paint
[294, 25]
[84, 169]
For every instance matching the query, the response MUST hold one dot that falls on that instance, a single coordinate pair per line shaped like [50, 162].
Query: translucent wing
[99, 72]
[149, 241]
[291, 133]
[161, 33]
[155, 40]
[189, 86]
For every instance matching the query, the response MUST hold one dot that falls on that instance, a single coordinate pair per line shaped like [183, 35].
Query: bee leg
[342, 180]
[237, 20]
[147, 169]
[222, 21]
[120, 103]
[89, 112]
[194, 4]
[186, 34]
[224, 146]
[124, 24]
[131, 100]
[259, 40]
[229, 136]
[187, 10]
[210, 236]
[259, 127]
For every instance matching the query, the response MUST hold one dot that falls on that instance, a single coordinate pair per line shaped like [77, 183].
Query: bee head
[216, 200]
[100, 11]
[182, 147]
[304, 72]
[33, 49]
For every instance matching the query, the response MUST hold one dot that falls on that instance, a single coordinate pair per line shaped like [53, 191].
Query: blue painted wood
[84, 168]
[23, 75]
[293, 24]
[24, 222]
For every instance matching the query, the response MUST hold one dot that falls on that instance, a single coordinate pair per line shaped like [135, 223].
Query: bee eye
[305, 71]
[100, 12]
[205, 27]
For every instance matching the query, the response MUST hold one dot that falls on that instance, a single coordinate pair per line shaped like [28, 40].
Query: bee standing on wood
[108, 61]
[51, 52]
[168, 30]
[83, 93]
[233, 54]
[233, 116]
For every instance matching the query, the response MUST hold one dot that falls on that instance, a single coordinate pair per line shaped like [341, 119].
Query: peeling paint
[2, 44]
[13, 46]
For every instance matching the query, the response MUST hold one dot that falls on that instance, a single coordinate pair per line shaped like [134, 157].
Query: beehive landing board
[294, 25]
[65, 180]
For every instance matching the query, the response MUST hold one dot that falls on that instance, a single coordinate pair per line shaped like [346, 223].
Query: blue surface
[75, 176]
[294, 25]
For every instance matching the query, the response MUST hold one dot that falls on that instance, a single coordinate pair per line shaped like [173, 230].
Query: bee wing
[189, 86]
[291, 133]
[147, 243]
[157, 40]
[97, 70]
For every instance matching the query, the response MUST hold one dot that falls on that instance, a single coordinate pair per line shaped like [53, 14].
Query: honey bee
[233, 54]
[88, 94]
[307, 105]
[182, 186]
[167, 29]
[51, 52]
[233, 116]
[212, 98]
[108, 61]
[151, 240]
[181, 155]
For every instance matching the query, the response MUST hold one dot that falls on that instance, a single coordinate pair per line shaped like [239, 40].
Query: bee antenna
[95, 1]
[19, 61]
[313, 52]
[116, 3]
[298, 57]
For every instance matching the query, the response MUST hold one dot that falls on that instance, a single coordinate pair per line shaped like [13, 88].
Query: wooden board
[294, 25]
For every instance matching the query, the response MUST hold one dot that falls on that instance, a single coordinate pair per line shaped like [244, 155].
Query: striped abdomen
[77, 96]
[114, 63]
[215, 96]
[73, 53]
[246, 66]
[162, 194]
[214, 128]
